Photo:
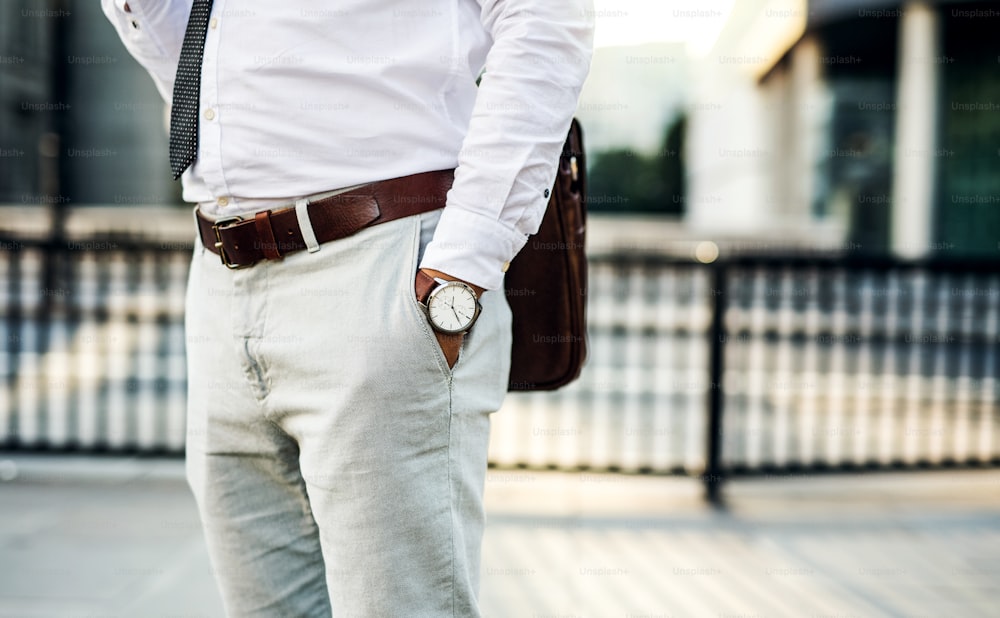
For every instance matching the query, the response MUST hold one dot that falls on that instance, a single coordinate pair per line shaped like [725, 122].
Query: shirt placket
[211, 115]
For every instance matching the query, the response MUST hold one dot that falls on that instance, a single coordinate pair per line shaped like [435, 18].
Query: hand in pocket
[450, 345]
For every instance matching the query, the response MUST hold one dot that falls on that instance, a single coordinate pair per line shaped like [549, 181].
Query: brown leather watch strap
[423, 285]
[273, 234]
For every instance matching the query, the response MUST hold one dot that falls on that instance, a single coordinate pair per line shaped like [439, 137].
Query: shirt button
[505, 266]
[135, 25]
[214, 23]
[209, 114]
[222, 201]
[546, 193]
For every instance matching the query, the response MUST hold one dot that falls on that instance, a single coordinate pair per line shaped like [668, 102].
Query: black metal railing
[851, 364]
[749, 365]
[94, 345]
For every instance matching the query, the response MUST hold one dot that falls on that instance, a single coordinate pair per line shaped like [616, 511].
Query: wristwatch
[451, 306]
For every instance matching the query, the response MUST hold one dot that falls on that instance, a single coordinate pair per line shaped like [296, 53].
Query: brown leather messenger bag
[546, 283]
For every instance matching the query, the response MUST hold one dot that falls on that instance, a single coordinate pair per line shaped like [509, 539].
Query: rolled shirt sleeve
[534, 73]
[152, 31]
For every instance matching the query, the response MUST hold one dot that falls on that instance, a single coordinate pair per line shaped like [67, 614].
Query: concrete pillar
[806, 126]
[916, 130]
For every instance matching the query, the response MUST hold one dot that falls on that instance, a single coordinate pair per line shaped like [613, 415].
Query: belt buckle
[218, 242]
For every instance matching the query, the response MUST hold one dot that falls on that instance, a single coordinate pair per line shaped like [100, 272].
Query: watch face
[452, 307]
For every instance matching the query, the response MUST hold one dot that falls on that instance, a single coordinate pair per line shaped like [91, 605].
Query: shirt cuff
[133, 17]
[136, 26]
[472, 247]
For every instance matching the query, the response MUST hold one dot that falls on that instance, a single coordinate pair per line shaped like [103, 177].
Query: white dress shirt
[300, 97]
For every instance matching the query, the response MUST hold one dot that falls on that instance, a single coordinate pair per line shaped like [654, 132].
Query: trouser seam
[254, 345]
[454, 498]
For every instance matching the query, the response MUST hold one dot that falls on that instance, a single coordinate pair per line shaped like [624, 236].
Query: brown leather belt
[268, 235]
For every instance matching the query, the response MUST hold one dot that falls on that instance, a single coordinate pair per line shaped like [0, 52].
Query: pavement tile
[107, 537]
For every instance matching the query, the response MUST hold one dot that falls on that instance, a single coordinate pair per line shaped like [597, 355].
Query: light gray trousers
[337, 462]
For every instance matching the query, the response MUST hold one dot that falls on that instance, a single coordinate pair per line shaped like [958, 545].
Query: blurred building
[869, 126]
[80, 121]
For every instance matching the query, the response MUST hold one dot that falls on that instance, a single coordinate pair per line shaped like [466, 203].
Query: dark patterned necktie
[187, 85]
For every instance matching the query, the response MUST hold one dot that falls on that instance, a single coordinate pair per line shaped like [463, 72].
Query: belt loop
[305, 225]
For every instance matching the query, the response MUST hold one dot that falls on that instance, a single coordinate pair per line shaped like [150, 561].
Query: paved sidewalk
[117, 537]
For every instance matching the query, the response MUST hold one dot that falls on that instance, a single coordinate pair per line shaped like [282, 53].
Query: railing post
[713, 450]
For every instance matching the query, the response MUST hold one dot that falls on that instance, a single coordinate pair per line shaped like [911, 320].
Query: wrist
[437, 274]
